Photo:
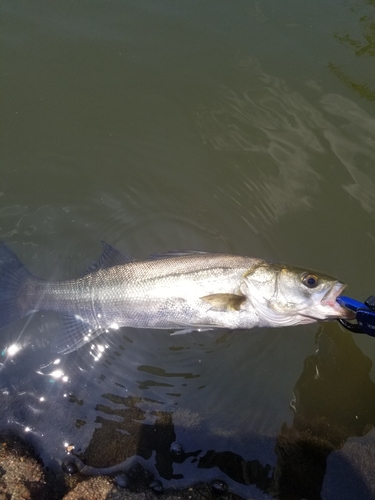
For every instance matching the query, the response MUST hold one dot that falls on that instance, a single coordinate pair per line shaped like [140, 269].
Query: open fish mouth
[330, 297]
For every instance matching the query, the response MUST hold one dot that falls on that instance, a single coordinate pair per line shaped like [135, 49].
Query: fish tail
[13, 274]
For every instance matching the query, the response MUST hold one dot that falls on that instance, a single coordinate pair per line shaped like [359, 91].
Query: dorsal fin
[110, 257]
[175, 253]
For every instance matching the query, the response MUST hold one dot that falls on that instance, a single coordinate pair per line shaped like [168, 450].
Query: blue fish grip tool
[364, 315]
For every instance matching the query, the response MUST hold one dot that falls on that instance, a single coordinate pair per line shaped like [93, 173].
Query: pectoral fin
[225, 301]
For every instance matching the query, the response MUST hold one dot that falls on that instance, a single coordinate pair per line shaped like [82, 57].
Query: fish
[182, 291]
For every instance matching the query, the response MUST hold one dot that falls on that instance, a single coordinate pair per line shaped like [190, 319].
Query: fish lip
[333, 292]
[330, 297]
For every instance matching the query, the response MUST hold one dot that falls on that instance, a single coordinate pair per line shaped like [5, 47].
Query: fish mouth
[329, 300]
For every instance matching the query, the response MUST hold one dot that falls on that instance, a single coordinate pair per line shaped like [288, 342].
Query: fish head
[286, 295]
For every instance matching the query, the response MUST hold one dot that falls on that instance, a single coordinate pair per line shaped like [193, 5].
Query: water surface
[241, 127]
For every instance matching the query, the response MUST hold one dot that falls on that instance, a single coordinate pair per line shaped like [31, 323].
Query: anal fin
[74, 334]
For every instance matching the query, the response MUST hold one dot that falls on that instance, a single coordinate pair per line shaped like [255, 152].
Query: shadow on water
[334, 399]
[124, 426]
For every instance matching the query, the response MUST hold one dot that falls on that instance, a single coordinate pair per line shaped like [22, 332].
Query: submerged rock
[122, 480]
[22, 477]
[156, 487]
[70, 468]
[218, 487]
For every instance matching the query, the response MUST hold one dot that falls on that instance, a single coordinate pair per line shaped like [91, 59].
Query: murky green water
[244, 127]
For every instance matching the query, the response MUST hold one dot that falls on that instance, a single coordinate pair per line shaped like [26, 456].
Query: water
[244, 127]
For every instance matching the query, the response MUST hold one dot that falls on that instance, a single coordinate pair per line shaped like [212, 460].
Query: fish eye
[310, 280]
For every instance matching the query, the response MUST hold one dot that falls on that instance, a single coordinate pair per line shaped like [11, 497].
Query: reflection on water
[353, 144]
[289, 133]
[363, 45]
[272, 123]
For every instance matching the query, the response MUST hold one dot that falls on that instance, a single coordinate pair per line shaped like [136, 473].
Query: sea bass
[181, 291]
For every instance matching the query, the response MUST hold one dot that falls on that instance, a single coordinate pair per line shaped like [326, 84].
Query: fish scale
[180, 290]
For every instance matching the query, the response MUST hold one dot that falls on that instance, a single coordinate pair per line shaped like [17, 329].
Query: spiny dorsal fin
[226, 301]
[110, 257]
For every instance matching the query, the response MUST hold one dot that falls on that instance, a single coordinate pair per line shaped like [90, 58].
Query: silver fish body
[183, 291]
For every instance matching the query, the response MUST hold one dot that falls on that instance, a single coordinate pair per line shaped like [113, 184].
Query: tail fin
[12, 275]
